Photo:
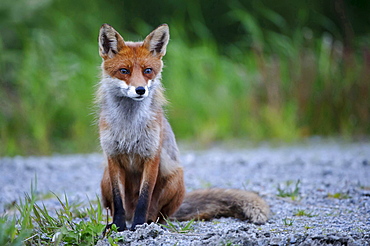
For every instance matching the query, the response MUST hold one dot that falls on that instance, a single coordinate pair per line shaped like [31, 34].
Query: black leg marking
[119, 212]
[141, 210]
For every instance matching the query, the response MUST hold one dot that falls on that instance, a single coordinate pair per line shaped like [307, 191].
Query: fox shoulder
[215, 203]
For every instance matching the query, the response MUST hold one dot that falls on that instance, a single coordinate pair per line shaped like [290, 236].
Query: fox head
[132, 69]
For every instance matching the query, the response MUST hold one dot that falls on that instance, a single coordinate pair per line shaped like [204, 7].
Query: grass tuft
[289, 191]
[35, 224]
[288, 221]
[302, 212]
[178, 227]
[338, 195]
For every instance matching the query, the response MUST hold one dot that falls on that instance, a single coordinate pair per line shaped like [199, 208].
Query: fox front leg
[119, 218]
[150, 174]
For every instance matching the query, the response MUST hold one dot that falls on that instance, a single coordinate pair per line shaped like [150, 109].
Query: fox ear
[156, 42]
[110, 42]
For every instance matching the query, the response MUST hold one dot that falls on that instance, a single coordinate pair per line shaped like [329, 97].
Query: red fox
[143, 181]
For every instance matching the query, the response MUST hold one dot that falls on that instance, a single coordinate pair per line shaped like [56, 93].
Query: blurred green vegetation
[255, 70]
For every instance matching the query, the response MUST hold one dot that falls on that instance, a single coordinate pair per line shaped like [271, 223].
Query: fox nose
[140, 90]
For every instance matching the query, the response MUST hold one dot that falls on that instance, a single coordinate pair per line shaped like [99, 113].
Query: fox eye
[124, 71]
[148, 70]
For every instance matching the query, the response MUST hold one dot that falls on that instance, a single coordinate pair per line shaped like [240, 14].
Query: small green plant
[307, 227]
[68, 226]
[339, 195]
[288, 191]
[113, 239]
[10, 234]
[178, 227]
[288, 221]
[33, 224]
[302, 212]
[228, 243]
[19, 229]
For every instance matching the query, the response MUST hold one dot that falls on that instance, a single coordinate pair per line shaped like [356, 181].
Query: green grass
[34, 224]
[228, 243]
[77, 223]
[307, 227]
[302, 212]
[10, 234]
[112, 236]
[338, 195]
[179, 227]
[277, 83]
[288, 221]
[289, 191]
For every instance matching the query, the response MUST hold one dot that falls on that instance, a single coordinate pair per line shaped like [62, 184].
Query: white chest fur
[132, 126]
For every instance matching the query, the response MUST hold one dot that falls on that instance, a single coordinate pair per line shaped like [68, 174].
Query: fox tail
[215, 203]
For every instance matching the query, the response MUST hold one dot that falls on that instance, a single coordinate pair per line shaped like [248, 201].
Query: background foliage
[252, 70]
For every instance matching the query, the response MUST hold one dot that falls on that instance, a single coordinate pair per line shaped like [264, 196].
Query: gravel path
[332, 179]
